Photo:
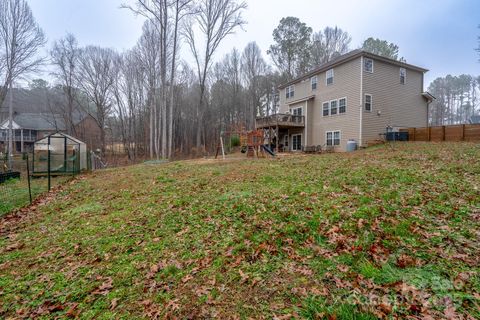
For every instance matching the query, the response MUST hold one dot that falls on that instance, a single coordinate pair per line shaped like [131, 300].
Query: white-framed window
[326, 109]
[342, 105]
[296, 142]
[403, 75]
[329, 77]
[336, 138]
[333, 107]
[313, 82]
[285, 140]
[296, 111]
[368, 65]
[289, 91]
[333, 138]
[368, 102]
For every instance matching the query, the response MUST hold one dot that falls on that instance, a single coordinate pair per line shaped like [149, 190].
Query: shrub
[234, 141]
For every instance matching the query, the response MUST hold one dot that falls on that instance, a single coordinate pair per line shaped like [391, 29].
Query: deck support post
[278, 137]
[21, 140]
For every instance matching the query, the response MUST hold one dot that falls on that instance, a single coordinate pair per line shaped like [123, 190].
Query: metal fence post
[28, 179]
[48, 165]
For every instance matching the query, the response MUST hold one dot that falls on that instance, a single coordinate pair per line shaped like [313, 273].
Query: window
[403, 75]
[329, 77]
[333, 138]
[368, 102]
[313, 81]
[342, 105]
[297, 142]
[326, 109]
[285, 140]
[333, 107]
[289, 91]
[296, 111]
[368, 65]
[336, 138]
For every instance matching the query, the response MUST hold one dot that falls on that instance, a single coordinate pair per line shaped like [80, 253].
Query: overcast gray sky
[438, 35]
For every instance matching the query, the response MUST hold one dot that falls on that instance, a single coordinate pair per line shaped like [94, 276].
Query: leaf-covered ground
[376, 233]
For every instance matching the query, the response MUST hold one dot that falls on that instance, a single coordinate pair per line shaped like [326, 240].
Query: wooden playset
[252, 142]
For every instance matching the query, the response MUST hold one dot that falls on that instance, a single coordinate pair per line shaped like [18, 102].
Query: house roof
[354, 54]
[60, 134]
[42, 121]
[428, 96]
[301, 100]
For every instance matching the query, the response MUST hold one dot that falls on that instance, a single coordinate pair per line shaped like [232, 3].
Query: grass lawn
[376, 233]
[14, 192]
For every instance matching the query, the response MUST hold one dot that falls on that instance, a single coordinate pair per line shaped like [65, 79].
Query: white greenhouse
[59, 153]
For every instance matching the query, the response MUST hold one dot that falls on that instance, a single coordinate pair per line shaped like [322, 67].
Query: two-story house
[356, 96]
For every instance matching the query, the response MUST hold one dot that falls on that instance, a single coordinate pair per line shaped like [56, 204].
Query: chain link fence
[20, 186]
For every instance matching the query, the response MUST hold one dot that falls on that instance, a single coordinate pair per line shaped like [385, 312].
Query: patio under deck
[273, 125]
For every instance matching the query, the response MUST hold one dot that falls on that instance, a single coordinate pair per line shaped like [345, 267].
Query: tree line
[456, 99]
[148, 98]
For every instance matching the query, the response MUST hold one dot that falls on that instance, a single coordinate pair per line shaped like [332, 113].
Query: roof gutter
[300, 100]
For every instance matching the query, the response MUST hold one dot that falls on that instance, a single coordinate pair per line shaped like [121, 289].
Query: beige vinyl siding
[346, 84]
[302, 89]
[400, 105]
[283, 107]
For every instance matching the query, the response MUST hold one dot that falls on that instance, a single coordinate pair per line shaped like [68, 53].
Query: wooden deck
[281, 120]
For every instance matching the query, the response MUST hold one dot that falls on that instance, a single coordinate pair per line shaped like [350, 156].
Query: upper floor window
[313, 81]
[342, 105]
[329, 77]
[368, 65]
[326, 109]
[403, 75]
[289, 91]
[296, 111]
[333, 107]
[368, 102]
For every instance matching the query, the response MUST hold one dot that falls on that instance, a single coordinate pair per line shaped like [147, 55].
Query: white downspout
[306, 123]
[361, 103]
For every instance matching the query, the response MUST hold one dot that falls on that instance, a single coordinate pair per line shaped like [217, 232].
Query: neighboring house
[29, 127]
[356, 96]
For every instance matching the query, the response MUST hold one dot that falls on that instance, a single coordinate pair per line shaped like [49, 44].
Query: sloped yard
[376, 233]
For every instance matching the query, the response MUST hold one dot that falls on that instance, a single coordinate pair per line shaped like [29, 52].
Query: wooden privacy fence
[459, 132]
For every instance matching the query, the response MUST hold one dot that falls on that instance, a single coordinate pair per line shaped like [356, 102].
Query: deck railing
[17, 136]
[281, 119]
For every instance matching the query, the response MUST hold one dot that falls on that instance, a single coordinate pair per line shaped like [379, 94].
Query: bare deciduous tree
[254, 68]
[329, 44]
[95, 76]
[64, 55]
[165, 16]
[182, 8]
[215, 19]
[148, 50]
[20, 38]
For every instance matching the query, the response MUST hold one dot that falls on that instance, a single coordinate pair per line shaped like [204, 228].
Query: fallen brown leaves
[105, 287]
